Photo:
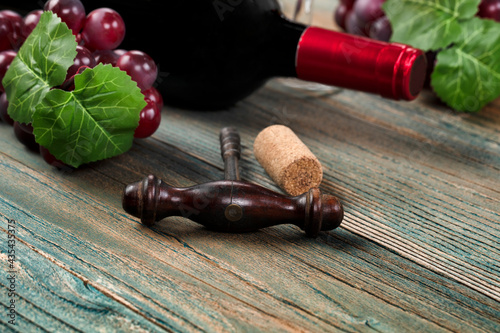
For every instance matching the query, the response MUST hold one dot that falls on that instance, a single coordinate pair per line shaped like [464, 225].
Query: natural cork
[287, 160]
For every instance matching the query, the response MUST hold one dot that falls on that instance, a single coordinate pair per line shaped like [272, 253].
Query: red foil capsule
[391, 70]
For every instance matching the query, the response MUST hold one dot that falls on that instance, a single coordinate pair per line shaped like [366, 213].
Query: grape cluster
[98, 34]
[366, 17]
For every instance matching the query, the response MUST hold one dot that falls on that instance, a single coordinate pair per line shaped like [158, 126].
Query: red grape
[11, 30]
[104, 29]
[83, 58]
[6, 58]
[348, 3]
[71, 12]
[154, 95]
[490, 9]
[4, 105]
[367, 11]
[140, 66]
[69, 84]
[30, 21]
[340, 15]
[79, 39]
[120, 52]
[51, 159]
[149, 121]
[106, 57]
[24, 133]
[353, 25]
[381, 29]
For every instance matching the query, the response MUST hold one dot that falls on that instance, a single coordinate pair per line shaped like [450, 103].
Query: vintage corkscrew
[231, 205]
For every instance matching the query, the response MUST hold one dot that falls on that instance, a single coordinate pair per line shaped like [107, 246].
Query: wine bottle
[213, 53]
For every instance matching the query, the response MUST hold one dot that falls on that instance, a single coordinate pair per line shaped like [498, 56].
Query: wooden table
[418, 249]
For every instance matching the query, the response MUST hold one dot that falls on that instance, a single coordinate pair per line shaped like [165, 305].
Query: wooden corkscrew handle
[232, 206]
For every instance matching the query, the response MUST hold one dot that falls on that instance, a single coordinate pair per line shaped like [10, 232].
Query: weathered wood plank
[340, 299]
[50, 298]
[431, 196]
[295, 287]
[419, 248]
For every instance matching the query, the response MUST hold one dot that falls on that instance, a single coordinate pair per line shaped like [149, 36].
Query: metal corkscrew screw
[231, 205]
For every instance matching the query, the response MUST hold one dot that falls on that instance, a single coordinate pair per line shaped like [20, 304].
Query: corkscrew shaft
[231, 151]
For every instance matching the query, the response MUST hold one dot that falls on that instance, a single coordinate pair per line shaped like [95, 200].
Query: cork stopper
[287, 160]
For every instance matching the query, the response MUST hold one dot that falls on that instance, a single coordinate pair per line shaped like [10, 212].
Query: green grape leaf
[467, 75]
[428, 24]
[41, 63]
[95, 121]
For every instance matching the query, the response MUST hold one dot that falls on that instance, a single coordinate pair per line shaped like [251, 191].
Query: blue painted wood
[179, 276]
[418, 250]
[422, 197]
[49, 297]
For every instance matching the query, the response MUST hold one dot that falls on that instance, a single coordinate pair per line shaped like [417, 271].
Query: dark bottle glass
[213, 53]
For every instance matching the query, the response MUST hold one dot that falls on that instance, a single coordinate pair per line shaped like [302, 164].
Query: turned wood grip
[232, 206]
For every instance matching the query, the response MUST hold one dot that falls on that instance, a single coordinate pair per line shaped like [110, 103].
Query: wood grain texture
[51, 298]
[418, 249]
[429, 193]
[409, 256]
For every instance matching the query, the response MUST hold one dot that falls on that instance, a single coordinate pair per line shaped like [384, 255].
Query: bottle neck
[284, 46]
